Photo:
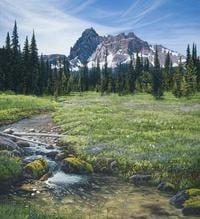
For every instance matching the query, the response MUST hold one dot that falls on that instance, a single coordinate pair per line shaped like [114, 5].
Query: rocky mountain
[84, 47]
[91, 47]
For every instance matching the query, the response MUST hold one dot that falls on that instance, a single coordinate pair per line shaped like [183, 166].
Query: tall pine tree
[157, 78]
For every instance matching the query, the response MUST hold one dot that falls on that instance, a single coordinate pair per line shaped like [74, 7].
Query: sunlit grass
[15, 107]
[143, 134]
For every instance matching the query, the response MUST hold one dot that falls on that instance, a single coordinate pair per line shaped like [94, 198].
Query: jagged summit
[85, 46]
[91, 47]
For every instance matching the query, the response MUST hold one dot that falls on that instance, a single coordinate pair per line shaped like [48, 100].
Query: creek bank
[68, 175]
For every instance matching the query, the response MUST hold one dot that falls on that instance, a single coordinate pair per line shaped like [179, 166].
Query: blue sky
[59, 23]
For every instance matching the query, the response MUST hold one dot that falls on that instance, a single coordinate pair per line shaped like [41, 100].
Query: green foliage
[10, 168]
[17, 211]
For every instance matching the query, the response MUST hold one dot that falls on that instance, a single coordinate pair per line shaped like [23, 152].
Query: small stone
[50, 147]
[140, 179]
[52, 154]
[37, 192]
[32, 194]
[31, 130]
[8, 131]
[166, 187]
[60, 156]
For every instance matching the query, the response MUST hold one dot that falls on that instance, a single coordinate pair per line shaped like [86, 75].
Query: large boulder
[192, 207]
[36, 168]
[9, 145]
[189, 200]
[75, 165]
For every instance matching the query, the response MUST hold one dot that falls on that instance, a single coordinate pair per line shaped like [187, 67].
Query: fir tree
[104, 76]
[16, 71]
[188, 55]
[8, 64]
[190, 79]
[168, 75]
[26, 68]
[157, 78]
[178, 81]
[131, 78]
[2, 76]
[34, 63]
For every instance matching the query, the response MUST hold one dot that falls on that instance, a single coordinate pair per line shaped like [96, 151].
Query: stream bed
[87, 196]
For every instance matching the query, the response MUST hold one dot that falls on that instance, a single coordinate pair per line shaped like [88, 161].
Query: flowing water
[87, 196]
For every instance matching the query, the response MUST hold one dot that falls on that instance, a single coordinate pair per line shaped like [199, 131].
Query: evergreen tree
[188, 55]
[198, 74]
[8, 64]
[119, 80]
[157, 78]
[190, 79]
[168, 75]
[194, 54]
[42, 76]
[66, 82]
[2, 76]
[16, 65]
[104, 76]
[138, 70]
[178, 81]
[26, 68]
[34, 64]
[131, 78]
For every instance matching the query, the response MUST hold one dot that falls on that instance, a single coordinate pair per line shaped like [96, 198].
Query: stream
[89, 196]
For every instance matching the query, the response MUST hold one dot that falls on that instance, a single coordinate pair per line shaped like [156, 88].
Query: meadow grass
[144, 135]
[15, 107]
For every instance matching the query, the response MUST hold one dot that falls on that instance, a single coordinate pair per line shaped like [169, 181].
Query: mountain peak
[89, 31]
[91, 47]
[85, 45]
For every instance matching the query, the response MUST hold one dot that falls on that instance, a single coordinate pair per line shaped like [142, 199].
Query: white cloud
[56, 31]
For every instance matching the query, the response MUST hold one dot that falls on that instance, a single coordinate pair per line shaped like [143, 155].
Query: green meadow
[15, 107]
[143, 135]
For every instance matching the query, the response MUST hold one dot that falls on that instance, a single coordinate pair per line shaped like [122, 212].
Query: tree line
[24, 72]
[141, 76]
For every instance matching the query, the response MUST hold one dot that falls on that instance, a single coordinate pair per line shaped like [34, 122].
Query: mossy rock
[185, 199]
[192, 206]
[36, 168]
[193, 192]
[75, 165]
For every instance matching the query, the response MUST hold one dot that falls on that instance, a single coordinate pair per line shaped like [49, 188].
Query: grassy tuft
[15, 107]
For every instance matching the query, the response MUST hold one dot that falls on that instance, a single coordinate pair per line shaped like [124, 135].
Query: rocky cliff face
[91, 48]
[85, 46]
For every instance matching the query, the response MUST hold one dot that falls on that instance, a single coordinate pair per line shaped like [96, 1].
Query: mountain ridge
[120, 48]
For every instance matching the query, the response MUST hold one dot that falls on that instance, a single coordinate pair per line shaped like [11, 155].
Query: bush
[10, 168]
